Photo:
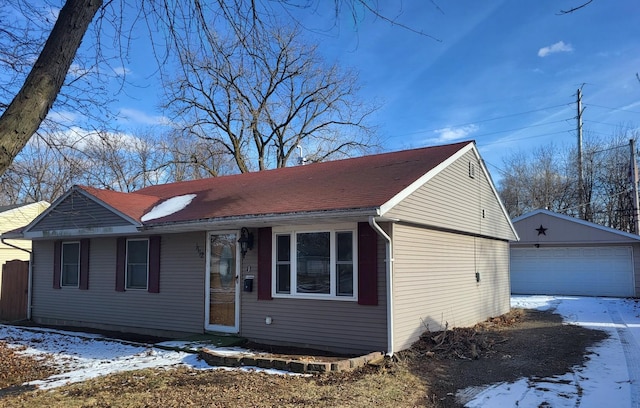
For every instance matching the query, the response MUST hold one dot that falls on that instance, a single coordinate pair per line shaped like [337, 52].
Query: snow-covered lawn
[611, 376]
[82, 356]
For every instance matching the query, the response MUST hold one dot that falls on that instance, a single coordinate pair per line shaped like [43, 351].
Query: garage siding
[586, 271]
[434, 281]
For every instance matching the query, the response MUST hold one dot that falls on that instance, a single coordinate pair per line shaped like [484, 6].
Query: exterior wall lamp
[245, 241]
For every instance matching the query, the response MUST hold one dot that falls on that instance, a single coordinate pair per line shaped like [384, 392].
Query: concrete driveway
[609, 378]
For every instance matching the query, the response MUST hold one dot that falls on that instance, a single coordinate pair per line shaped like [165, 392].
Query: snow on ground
[609, 377]
[82, 356]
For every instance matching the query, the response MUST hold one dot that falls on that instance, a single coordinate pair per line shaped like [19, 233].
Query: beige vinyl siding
[340, 326]
[9, 254]
[78, 211]
[14, 219]
[563, 231]
[178, 308]
[434, 281]
[453, 200]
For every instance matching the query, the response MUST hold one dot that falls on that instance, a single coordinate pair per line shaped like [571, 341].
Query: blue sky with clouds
[504, 73]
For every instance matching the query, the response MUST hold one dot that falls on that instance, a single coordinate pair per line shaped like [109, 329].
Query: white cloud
[78, 71]
[83, 139]
[64, 117]
[560, 46]
[121, 71]
[136, 116]
[449, 134]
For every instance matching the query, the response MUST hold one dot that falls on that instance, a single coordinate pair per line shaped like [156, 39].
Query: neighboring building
[562, 255]
[13, 217]
[352, 255]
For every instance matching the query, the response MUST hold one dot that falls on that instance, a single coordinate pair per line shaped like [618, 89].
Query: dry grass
[382, 387]
[16, 369]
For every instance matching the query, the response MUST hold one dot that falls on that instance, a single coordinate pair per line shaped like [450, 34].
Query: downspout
[30, 274]
[389, 285]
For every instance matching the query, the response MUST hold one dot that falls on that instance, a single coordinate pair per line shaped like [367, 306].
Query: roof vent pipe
[301, 160]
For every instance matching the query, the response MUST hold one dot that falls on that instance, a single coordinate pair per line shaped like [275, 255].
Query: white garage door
[591, 271]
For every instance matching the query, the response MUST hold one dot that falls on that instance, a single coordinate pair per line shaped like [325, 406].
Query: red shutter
[121, 253]
[154, 264]
[264, 263]
[57, 255]
[84, 264]
[367, 265]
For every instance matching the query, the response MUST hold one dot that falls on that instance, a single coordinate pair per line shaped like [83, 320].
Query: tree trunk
[30, 106]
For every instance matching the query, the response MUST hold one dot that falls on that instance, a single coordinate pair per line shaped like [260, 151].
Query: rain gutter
[389, 278]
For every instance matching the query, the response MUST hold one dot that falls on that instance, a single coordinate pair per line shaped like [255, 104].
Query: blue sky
[504, 73]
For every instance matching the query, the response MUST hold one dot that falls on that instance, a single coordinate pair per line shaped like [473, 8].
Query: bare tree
[186, 159]
[269, 91]
[28, 109]
[537, 181]
[576, 8]
[121, 162]
[40, 172]
[30, 106]
[547, 178]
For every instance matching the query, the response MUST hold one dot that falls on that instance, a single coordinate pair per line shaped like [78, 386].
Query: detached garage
[562, 255]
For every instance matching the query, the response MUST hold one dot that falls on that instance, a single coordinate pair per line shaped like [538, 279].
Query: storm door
[222, 282]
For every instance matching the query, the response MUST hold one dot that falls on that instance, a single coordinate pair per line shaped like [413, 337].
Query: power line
[615, 109]
[486, 120]
[527, 137]
[522, 128]
[602, 123]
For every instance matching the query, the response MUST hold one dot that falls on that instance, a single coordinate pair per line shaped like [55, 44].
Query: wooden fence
[14, 281]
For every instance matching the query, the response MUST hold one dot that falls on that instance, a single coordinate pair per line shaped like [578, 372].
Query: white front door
[222, 283]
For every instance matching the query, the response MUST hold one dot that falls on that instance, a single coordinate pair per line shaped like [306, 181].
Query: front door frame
[218, 328]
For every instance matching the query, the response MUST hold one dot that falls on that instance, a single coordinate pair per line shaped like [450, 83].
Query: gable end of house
[77, 214]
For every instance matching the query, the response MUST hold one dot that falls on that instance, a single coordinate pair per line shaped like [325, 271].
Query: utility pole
[581, 196]
[634, 186]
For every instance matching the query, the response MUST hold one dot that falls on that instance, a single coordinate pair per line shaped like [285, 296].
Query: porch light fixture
[245, 241]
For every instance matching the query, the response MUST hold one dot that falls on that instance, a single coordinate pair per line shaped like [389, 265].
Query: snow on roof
[168, 207]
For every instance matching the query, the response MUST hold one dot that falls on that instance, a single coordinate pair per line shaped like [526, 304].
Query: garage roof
[547, 227]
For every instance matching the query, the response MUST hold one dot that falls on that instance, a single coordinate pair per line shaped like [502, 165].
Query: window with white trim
[137, 264]
[315, 264]
[70, 264]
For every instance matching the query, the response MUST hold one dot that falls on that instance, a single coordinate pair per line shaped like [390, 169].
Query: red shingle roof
[365, 182]
[130, 204]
